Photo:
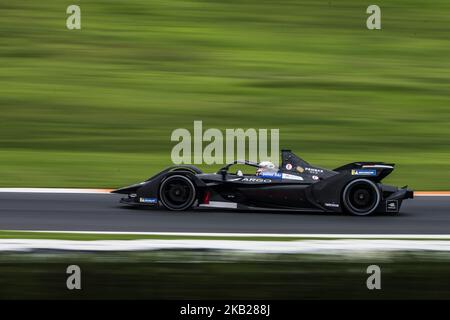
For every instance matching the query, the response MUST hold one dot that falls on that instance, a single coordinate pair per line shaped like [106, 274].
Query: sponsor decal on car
[148, 200]
[364, 172]
[273, 175]
[291, 176]
[314, 170]
[315, 177]
[333, 205]
[300, 169]
[256, 180]
[289, 166]
[392, 205]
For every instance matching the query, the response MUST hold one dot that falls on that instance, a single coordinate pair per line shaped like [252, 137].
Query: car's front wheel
[177, 193]
[361, 197]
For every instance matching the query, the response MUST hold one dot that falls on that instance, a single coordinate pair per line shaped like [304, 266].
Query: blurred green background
[96, 107]
[218, 275]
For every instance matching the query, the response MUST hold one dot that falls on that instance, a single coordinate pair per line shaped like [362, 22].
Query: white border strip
[302, 246]
[249, 235]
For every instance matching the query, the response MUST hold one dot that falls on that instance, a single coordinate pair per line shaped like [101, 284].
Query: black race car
[354, 188]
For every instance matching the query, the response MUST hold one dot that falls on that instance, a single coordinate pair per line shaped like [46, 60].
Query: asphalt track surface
[102, 212]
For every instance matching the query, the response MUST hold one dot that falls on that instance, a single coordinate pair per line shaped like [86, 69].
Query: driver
[266, 167]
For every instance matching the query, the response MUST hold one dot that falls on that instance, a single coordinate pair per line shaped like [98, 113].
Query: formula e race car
[354, 188]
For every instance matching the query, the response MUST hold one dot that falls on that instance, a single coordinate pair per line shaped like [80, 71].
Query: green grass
[96, 107]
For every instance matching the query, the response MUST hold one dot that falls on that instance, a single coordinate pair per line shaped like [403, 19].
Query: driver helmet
[266, 166]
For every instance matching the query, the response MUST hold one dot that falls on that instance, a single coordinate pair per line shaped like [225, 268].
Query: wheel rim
[177, 193]
[361, 197]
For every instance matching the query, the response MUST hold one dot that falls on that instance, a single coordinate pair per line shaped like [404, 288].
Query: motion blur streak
[95, 107]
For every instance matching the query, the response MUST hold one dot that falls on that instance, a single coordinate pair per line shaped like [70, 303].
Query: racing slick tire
[177, 193]
[361, 197]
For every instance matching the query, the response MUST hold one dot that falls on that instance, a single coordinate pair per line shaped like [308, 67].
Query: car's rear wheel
[361, 197]
[177, 193]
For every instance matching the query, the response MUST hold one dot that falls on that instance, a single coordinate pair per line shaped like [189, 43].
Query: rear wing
[368, 169]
